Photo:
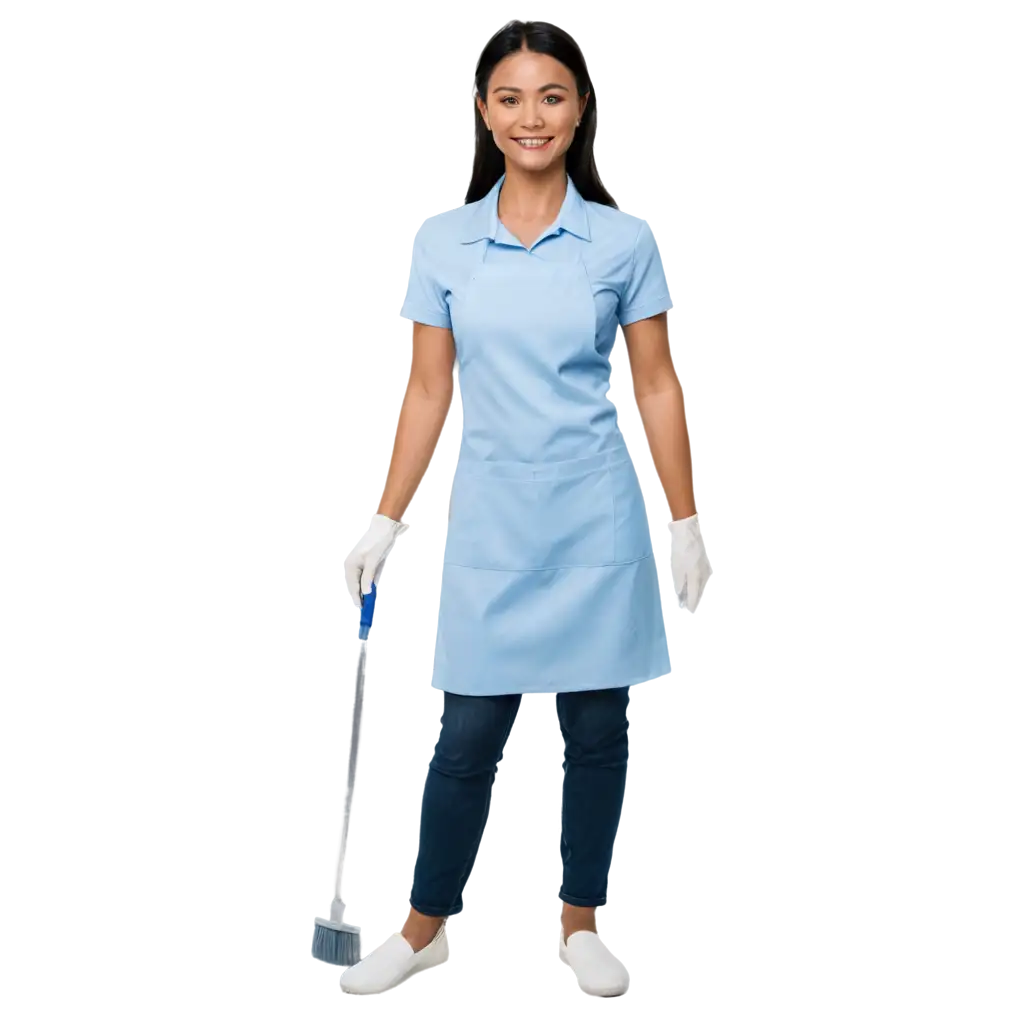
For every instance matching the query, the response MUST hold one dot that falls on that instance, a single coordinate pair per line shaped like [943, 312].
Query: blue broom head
[336, 943]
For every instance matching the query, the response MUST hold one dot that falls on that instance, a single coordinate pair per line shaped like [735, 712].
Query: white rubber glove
[690, 565]
[365, 563]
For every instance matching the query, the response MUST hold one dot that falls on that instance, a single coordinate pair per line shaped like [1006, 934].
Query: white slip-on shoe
[394, 961]
[597, 971]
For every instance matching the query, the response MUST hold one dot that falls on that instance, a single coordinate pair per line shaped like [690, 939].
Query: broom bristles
[336, 944]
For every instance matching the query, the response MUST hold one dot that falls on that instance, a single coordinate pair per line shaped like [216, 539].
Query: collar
[482, 220]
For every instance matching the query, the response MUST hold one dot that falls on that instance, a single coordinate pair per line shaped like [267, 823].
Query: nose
[532, 117]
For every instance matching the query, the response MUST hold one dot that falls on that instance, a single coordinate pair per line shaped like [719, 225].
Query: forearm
[664, 418]
[423, 413]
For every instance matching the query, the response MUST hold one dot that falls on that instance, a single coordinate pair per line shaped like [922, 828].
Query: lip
[516, 138]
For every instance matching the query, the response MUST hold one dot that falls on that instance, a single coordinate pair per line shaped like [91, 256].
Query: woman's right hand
[365, 562]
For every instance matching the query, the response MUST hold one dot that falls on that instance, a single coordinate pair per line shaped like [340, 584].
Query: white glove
[365, 563]
[690, 565]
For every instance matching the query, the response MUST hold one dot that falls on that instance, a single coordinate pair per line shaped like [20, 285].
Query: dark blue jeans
[457, 794]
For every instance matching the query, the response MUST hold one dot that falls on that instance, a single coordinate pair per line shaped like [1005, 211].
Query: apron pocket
[632, 531]
[500, 522]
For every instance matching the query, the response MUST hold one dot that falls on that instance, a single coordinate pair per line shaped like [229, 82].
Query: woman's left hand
[690, 565]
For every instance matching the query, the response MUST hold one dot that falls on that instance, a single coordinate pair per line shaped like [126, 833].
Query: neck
[532, 195]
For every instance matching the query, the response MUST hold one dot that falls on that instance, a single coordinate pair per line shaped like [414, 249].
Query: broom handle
[339, 875]
[357, 725]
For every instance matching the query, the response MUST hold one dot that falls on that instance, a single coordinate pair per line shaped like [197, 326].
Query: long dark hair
[488, 160]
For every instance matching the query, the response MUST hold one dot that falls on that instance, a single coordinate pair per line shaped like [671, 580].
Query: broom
[335, 941]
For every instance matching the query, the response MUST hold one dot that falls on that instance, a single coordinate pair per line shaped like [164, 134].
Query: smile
[535, 143]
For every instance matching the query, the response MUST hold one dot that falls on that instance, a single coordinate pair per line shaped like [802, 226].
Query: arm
[428, 397]
[659, 398]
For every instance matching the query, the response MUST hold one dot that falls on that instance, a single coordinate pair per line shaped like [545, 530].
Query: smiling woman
[548, 580]
[543, 93]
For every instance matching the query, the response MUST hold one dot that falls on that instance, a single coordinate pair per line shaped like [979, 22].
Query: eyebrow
[512, 88]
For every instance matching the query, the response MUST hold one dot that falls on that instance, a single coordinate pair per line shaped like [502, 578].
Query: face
[532, 96]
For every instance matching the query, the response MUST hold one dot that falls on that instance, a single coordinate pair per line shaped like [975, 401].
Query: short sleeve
[646, 291]
[425, 299]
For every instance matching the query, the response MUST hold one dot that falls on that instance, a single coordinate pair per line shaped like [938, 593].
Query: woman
[548, 583]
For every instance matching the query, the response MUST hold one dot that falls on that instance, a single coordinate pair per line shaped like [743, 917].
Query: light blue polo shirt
[619, 252]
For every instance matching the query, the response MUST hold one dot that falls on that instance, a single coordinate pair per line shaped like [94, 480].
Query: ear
[482, 107]
[583, 103]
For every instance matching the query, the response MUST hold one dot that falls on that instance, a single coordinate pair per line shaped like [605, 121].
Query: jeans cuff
[582, 901]
[437, 911]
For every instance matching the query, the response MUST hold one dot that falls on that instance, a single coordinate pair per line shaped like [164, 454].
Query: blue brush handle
[366, 615]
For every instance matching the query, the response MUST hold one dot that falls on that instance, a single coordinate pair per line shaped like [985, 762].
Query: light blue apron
[549, 582]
